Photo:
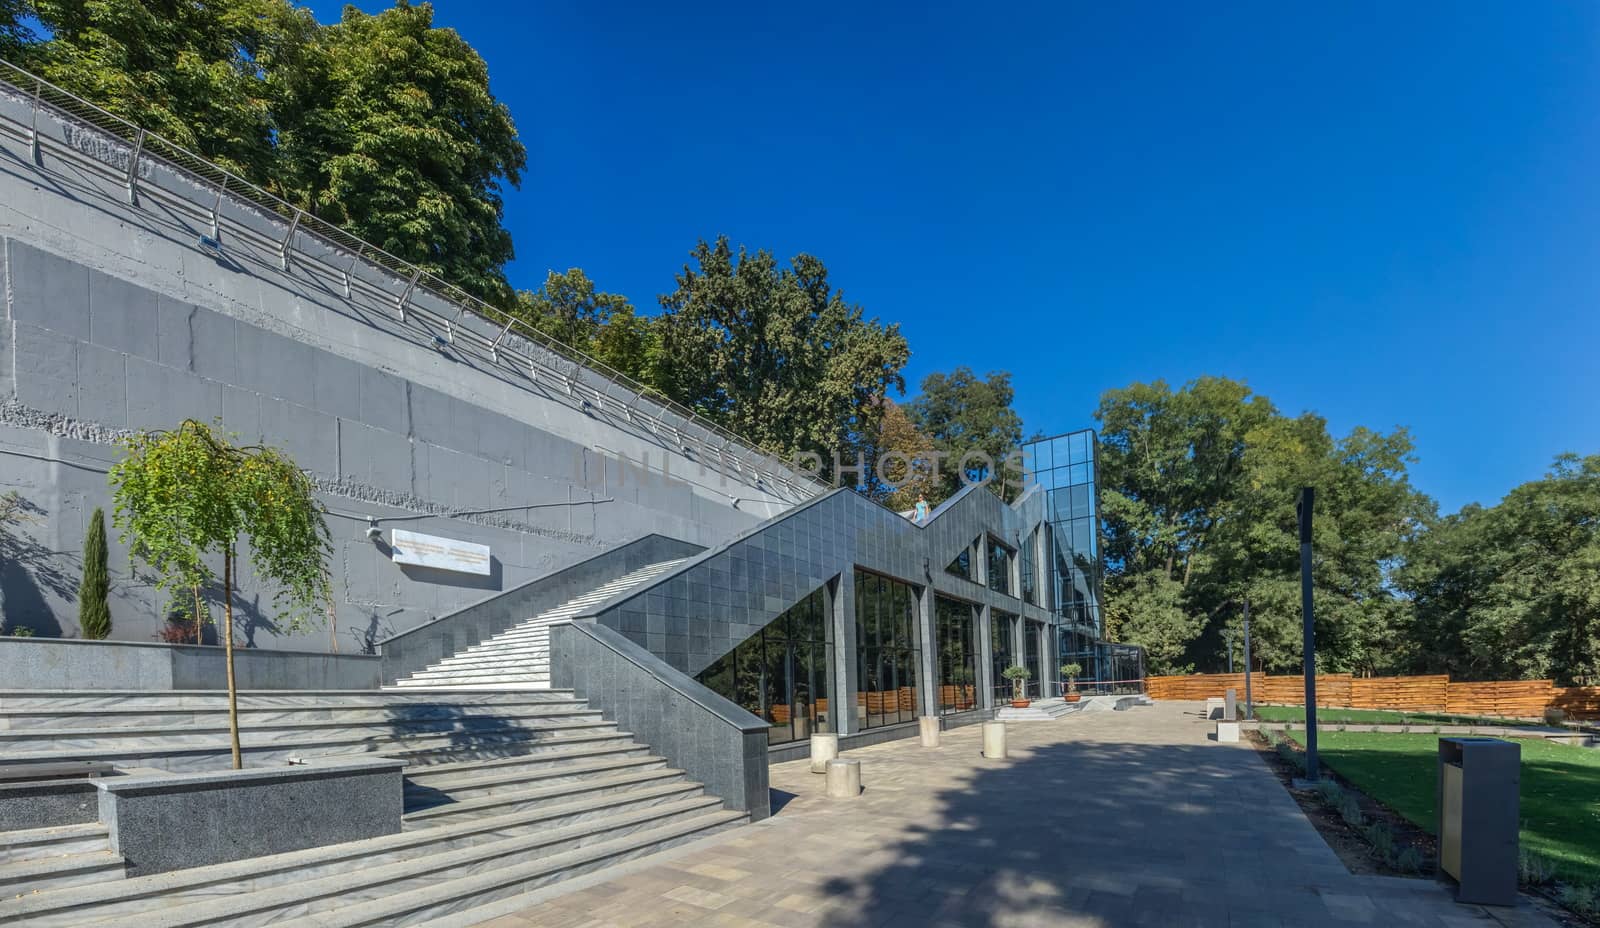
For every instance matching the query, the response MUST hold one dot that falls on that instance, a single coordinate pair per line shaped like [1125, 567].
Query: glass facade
[1030, 651]
[1066, 467]
[1002, 651]
[955, 635]
[781, 672]
[1000, 558]
[962, 566]
[1026, 570]
[886, 651]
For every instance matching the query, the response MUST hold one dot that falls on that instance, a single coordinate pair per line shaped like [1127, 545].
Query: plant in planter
[1071, 672]
[1019, 677]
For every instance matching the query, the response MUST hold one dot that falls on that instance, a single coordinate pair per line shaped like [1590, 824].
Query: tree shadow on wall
[28, 572]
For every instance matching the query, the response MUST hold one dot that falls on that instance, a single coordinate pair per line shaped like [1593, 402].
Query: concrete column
[985, 669]
[1019, 642]
[1050, 659]
[994, 740]
[929, 729]
[928, 672]
[844, 655]
[844, 779]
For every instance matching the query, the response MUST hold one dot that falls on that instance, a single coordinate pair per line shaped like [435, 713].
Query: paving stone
[1104, 820]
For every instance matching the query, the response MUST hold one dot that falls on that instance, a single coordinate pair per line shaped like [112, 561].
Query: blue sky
[1385, 213]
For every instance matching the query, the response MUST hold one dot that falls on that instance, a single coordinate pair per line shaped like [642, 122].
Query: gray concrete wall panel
[709, 738]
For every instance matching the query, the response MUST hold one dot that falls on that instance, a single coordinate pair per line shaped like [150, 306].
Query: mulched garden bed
[1350, 844]
[1358, 854]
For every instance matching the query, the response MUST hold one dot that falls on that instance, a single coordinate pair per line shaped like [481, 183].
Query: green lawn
[1378, 717]
[1560, 789]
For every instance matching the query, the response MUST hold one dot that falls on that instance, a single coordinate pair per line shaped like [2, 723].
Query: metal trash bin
[1478, 815]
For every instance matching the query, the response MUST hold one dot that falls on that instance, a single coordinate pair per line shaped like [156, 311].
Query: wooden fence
[1508, 699]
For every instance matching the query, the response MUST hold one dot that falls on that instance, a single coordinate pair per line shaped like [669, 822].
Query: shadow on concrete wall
[437, 577]
[29, 572]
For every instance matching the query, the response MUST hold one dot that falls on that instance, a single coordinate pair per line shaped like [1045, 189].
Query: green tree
[776, 354]
[964, 415]
[901, 462]
[1513, 590]
[1198, 492]
[382, 124]
[184, 494]
[94, 606]
[389, 130]
[204, 75]
[603, 325]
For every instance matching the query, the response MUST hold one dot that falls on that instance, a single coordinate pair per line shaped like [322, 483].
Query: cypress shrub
[94, 606]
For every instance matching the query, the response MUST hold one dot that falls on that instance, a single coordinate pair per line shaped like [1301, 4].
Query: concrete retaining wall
[114, 319]
[74, 664]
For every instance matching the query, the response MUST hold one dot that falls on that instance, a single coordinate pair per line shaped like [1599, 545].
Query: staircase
[519, 657]
[506, 792]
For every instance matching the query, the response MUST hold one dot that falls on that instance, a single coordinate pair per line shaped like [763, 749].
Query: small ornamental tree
[184, 494]
[1071, 672]
[94, 606]
[1019, 677]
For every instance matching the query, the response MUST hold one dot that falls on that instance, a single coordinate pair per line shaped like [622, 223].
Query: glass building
[1067, 468]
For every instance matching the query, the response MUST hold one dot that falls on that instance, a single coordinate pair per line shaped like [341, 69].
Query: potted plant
[1019, 676]
[1071, 671]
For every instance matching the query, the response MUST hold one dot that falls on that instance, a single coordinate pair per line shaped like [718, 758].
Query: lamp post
[1303, 509]
[1249, 704]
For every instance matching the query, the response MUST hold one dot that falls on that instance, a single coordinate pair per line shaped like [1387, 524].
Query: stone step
[530, 799]
[22, 700]
[295, 729]
[31, 721]
[465, 755]
[151, 896]
[36, 843]
[480, 656]
[522, 679]
[496, 742]
[468, 673]
[532, 685]
[368, 895]
[431, 789]
[443, 905]
[577, 753]
[58, 871]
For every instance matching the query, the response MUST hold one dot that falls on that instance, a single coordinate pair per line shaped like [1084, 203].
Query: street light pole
[1249, 704]
[1308, 634]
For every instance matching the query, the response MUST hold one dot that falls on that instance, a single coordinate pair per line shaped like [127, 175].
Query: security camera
[374, 533]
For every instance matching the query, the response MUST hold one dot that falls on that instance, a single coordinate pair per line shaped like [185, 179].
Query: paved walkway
[1107, 819]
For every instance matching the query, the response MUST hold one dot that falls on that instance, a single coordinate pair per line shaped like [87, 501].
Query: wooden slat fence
[1433, 693]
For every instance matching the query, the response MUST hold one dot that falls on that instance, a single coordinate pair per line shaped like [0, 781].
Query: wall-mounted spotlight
[374, 533]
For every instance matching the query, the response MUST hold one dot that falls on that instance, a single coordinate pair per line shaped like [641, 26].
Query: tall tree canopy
[775, 353]
[382, 124]
[900, 462]
[961, 413]
[1513, 590]
[1198, 491]
[570, 308]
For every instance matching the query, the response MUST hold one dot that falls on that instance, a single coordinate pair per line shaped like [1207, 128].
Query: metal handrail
[147, 146]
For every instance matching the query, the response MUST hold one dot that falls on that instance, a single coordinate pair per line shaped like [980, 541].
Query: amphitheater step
[58, 871]
[34, 843]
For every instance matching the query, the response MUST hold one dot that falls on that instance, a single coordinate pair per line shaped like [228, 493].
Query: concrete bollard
[929, 725]
[844, 779]
[1228, 732]
[1230, 706]
[824, 748]
[994, 740]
